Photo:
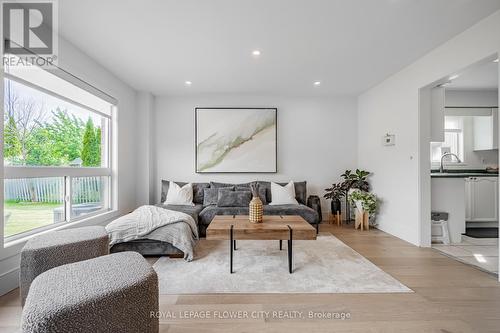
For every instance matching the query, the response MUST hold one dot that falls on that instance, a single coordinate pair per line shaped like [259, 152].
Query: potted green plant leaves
[351, 180]
[364, 202]
[335, 193]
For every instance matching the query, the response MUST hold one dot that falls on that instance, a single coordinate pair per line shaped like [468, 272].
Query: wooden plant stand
[336, 219]
[361, 220]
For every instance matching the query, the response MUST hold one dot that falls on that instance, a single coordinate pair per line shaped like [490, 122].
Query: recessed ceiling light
[453, 77]
[256, 53]
[188, 83]
[317, 83]
[496, 60]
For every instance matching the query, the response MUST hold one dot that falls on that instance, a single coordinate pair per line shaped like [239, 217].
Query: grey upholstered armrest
[314, 202]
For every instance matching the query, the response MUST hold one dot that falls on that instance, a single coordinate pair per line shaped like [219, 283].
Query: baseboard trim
[9, 281]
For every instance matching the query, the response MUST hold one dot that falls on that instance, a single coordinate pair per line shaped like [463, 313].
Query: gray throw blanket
[152, 222]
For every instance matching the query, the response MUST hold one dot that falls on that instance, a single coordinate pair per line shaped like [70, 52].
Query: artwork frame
[270, 114]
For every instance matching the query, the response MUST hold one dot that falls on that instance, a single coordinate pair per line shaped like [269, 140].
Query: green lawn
[25, 216]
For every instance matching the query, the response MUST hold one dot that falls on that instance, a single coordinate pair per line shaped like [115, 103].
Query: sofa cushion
[197, 190]
[267, 188]
[227, 198]
[211, 195]
[209, 212]
[192, 211]
[308, 214]
[179, 195]
[300, 191]
[283, 195]
[262, 193]
[219, 185]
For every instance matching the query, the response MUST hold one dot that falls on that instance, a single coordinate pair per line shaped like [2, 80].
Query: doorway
[460, 192]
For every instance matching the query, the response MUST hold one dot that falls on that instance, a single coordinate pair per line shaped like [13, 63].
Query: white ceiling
[348, 45]
[479, 77]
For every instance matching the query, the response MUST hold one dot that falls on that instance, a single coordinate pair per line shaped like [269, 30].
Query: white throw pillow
[177, 195]
[283, 195]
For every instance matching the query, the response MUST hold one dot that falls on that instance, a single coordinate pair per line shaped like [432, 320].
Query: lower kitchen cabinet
[481, 195]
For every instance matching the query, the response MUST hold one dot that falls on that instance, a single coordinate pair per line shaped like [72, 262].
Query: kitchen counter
[456, 173]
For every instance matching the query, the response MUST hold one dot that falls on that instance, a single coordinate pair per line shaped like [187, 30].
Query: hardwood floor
[448, 297]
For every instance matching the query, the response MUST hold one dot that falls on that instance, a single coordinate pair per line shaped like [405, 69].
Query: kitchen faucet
[441, 168]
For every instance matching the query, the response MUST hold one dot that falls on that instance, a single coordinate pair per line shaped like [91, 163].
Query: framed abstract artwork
[236, 140]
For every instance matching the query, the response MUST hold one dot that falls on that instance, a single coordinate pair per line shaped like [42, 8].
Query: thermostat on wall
[389, 140]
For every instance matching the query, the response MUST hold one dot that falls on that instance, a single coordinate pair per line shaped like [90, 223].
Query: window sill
[91, 220]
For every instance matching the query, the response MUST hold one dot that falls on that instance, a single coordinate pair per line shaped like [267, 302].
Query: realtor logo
[29, 29]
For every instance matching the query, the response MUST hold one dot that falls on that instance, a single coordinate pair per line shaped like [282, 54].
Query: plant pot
[336, 206]
[359, 206]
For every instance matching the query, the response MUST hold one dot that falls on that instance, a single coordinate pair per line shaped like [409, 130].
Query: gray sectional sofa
[205, 209]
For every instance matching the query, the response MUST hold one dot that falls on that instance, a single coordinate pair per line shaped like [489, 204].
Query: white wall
[316, 138]
[77, 63]
[145, 173]
[393, 106]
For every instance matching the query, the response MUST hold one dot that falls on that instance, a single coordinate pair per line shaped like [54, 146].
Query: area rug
[325, 265]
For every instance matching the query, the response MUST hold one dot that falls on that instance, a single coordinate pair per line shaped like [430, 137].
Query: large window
[56, 145]
[453, 141]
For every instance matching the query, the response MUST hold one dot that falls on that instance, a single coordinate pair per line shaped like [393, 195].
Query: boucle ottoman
[112, 293]
[57, 248]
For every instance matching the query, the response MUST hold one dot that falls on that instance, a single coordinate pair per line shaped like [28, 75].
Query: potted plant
[356, 180]
[335, 193]
[364, 202]
[351, 180]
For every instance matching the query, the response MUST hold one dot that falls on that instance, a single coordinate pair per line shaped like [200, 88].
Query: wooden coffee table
[279, 227]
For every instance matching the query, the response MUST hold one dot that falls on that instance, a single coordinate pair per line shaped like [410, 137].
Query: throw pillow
[197, 190]
[234, 198]
[262, 193]
[300, 191]
[283, 195]
[219, 185]
[211, 195]
[177, 195]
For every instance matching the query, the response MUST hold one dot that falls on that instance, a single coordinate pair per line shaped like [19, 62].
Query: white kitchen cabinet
[437, 114]
[481, 194]
[486, 131]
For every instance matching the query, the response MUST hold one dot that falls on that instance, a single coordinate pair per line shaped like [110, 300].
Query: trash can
[439, 228]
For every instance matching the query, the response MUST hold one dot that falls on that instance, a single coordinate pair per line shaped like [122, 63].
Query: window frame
[461, 147]
[67, 172]
[460, 152]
